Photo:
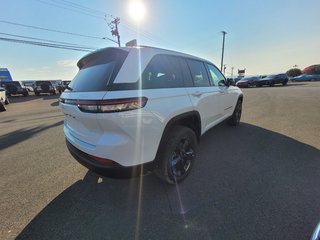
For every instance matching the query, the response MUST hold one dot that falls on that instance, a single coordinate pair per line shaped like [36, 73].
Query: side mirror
[230, 82]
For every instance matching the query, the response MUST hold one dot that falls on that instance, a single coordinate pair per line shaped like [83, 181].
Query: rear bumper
[18, 92]
[112, 169]
[43, 91]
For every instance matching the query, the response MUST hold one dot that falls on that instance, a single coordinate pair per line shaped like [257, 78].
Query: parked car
[44, 87]
[236, 79]
[64, 84]
[122, 114]
[14, 88]
[247, 82]
[305, 77]
[28, 86]
[3, 99]
[273, 79]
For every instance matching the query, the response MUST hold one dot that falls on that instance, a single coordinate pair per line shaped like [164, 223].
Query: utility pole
[224, 69]
[232, 72]
[224, 35]
[114, 28]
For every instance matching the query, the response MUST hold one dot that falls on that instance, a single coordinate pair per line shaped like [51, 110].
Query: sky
[263, 36]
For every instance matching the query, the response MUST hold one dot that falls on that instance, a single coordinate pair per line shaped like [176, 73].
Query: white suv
[144, 108]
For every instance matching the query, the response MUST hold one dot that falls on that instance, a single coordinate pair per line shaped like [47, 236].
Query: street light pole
[224, 35]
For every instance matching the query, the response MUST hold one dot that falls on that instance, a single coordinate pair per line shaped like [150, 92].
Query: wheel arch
[190, 119]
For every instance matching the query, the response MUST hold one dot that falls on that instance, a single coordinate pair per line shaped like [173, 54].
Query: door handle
[196, 94]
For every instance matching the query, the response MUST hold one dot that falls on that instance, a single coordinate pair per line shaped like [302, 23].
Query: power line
[84, 8]
[56, 31]
[68, 5]
[70, 9]
[52, 41]
[44, 44]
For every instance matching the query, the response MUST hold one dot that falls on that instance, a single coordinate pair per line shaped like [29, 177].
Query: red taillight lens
[108, 106]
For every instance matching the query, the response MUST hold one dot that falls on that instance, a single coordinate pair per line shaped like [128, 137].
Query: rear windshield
[17, 84]
[98, 70]
[39, 83]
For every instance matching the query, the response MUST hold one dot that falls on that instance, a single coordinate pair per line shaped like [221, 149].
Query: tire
[2, 107]
[271, 84]
[6, 102]
[25, 94]
[284, 83]
[37, 93]
[177, 155]
[234, 120]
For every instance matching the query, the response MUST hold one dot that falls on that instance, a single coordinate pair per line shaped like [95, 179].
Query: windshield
[247, 78]
[97, 70]
[271, 76]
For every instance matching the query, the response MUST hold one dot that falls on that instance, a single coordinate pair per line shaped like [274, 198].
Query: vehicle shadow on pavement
[19, 99]
[54, 104]
[247, 183]
[21, 135]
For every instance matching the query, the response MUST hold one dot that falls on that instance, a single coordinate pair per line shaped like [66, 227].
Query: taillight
[107, 106]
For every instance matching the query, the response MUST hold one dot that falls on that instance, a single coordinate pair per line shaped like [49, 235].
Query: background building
[5, 75]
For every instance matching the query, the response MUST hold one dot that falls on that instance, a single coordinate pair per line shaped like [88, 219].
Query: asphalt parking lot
[257, 181]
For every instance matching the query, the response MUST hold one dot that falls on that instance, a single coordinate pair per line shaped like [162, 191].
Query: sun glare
[137, 10]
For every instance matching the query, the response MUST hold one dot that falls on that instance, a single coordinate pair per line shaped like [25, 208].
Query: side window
[216, 76]
[163, 71]
[199, 73]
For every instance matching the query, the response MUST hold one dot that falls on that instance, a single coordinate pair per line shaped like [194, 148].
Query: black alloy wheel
[176, 155]
[181, 159]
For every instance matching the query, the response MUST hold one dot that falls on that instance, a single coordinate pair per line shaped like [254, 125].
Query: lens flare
[137, 10]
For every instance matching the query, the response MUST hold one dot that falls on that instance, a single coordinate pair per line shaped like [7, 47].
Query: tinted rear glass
[98, 70]
[199, 73]
[10, 83]
[163, 71]
[39, 83]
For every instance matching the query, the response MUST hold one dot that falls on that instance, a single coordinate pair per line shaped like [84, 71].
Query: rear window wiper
[69, 88]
